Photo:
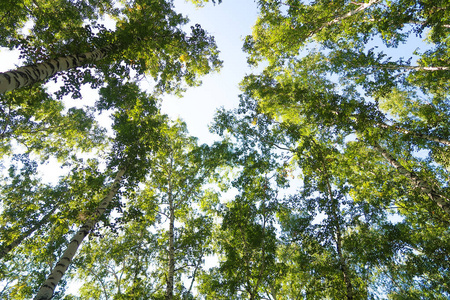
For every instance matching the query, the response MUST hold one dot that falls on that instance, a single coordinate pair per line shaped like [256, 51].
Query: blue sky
[229, 23]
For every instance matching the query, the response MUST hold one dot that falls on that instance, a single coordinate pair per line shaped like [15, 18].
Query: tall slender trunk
[48, 287]
[194, 274]
[362, 6]
[412, 22]
[138, 262]
[262, 267]
[335, 214]
[343, 264]
[400, 129]
[338, 240]
[171, 273]
[26, 234]
[442, 201]
[28, 75]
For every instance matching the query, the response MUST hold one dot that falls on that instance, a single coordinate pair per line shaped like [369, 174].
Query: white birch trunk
[48, 287]
[28, 75]
[442, 201]
[171, 273]
[415, 134]
[415, 68]
[338, 238]
[343, 264]
[362, 6]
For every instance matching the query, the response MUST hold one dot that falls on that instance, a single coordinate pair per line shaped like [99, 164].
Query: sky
[229, 23]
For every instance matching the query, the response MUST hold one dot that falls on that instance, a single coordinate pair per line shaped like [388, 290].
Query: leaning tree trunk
[414, 134]
[28, 75]
[26, 234]
[414, 68]
[48, 287]
[362, 7]
[442, 201]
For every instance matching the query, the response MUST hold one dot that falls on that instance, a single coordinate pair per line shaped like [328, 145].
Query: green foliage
[40, 218]
[336, 160]
[180, 169]
[31, 118]
[202, 2]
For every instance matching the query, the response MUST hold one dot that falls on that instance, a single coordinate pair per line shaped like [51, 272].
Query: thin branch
[407, 67]
[362, 6]
[101, 282]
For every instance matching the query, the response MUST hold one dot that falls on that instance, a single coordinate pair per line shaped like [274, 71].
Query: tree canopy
[330, 180]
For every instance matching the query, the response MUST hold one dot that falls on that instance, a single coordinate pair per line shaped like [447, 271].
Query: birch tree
[138, 115]
[169, 236]
[178, 175]
[38, 218]
[352, 187]
[147, 40]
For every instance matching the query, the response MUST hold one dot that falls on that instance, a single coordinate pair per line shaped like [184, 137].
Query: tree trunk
[338, 240]
[362, 7]
[171, 273]
[397, 128]
[336, 220]
[25, 234]
[48, 287]
[415, 134]
[195, 274]
[442, 201]
[343, 264]
[28, 75]
[415, 68]
[394, 127]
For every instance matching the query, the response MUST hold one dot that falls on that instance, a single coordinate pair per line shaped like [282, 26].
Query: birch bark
[338, 235]
[342, 262]
[415, 134]
[28, 75]
[415, 68]
[48, 287]
[170, 276]
[442, 201]
[171, 273]
[398, 128]
[362, 7]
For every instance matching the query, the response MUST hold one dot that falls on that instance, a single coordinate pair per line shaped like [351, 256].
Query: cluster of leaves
[370, 153]
[40, 220]
[336, 191]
